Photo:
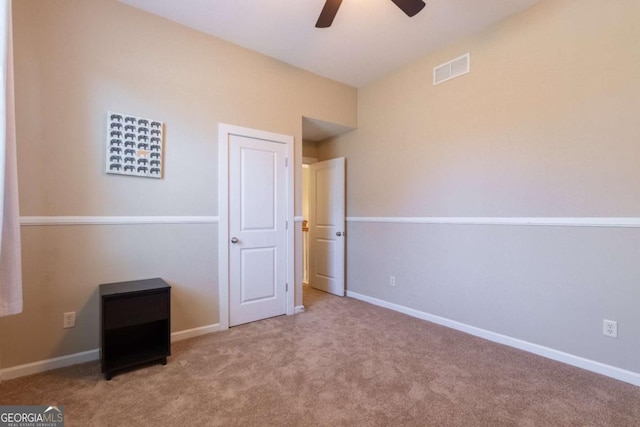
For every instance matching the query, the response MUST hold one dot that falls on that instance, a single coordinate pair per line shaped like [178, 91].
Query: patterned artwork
[134, 146]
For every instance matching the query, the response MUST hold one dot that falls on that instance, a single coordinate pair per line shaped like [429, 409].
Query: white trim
[224, 130]
[629, 222]
[291, 232]
[134, 220]
[550, 353]
[115, 220]
[299, 309]
[89, 356]
[223, 228]
[48, 364]
[195, 332]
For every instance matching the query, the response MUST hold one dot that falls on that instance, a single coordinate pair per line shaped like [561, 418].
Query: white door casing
[256, 274]
[327, 226]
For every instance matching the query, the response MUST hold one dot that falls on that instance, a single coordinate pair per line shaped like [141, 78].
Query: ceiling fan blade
[410, 7]
[328, 13]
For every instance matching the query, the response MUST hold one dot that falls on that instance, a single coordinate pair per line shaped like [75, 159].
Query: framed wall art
[135, 146]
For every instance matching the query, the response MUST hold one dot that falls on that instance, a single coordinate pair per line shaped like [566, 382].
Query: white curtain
[10, 259]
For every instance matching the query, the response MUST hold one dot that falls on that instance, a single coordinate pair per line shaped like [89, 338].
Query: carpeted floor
[341, 363]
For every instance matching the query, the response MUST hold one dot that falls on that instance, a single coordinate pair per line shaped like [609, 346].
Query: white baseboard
[299, 309]
[48, 364]
[88, 356]
[195, 332]
[550, 353]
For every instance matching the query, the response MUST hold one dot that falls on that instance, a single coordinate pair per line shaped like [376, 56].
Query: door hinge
[286, 224]
[286, 287]
[286, 162]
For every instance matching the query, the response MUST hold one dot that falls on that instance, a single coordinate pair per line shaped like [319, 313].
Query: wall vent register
[454, 68]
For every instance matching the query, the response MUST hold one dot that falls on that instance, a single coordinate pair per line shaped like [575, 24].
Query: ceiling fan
[410, 7]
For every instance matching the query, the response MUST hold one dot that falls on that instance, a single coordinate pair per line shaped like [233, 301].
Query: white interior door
[257, 226]
[326, 225]
[257, 235]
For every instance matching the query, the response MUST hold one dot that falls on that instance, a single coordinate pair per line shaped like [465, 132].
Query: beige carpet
[341, 363]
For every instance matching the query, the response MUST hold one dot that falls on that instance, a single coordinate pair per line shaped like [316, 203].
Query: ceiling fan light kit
[330, 9]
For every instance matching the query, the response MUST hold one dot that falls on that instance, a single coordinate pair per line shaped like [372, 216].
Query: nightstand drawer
[135, 309]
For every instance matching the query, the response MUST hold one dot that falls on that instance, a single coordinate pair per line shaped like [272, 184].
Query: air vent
[451, 69]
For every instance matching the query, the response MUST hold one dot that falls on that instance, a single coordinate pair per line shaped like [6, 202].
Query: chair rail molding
[115, 220]
[624, 222]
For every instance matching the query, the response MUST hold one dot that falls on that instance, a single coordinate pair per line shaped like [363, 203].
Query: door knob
[338, 233]
[234, 240]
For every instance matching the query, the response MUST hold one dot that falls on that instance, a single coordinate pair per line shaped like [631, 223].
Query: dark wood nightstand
[135, 324]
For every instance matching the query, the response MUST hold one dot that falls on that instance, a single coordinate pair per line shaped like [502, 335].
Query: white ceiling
[368, 38]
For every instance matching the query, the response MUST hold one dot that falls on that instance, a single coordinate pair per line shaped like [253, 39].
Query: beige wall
[310, 149]
[75, 60]
[546, 124]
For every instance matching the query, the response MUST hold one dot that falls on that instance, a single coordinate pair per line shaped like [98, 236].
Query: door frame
[224, 131]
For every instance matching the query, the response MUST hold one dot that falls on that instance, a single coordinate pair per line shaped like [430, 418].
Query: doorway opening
[323, 210]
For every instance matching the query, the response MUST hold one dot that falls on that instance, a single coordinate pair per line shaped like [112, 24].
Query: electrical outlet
[69, 320]
[610, 328]
[392, 280]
